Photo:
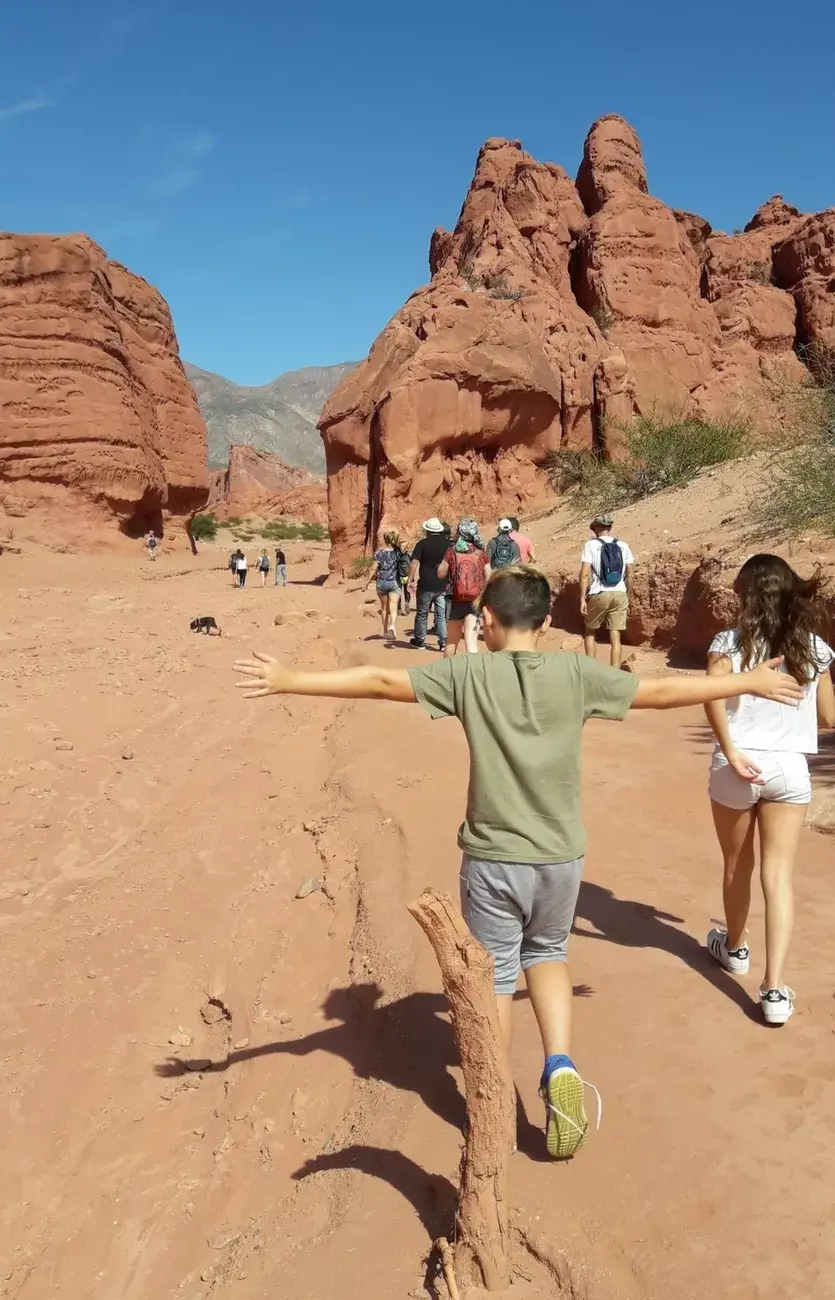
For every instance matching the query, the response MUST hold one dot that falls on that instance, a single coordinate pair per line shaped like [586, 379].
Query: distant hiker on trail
[404, 561]
[280, 568]
[233, 567]
[605, 578]
[522, 837]
[467, 567]
[502, 551]
[151, 543]
[241, 568]
[386, 573]
[264, 567]
[431, 589]
[524, 543]
[759, 776]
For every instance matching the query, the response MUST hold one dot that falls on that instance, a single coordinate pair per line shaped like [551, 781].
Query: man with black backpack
[502, 551]
[605, 579]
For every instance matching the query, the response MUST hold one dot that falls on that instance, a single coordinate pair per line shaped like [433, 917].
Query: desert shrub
[799, 488]
[204, 528]
[498, 287]
[661, 454]
[361, 566]
[277, 530]
[760, 272]
[234, 521]
[470, 275]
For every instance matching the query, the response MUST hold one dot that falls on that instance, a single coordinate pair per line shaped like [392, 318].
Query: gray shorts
[521, 913]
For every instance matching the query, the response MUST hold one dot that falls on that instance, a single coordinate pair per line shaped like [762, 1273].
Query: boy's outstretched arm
[264, 675]
[677, 692]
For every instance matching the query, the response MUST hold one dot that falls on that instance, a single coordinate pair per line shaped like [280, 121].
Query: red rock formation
[260, 483]
[555, 313]
[804, 262]
[96, 410]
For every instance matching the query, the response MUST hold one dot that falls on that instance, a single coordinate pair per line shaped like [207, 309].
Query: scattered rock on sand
[127, 755]
[181, 1038]
[64, 746]
[310, 886]
[289, 617]
[198, 1063]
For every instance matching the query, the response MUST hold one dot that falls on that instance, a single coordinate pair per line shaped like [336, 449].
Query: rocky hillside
[557, 310]
[97, 420]
[279, 417]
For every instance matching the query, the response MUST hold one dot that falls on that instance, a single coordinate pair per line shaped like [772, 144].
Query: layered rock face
[557, 311]
[260, 483]
[95, 408]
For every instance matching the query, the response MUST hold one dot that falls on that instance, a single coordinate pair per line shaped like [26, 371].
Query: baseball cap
[505, 526]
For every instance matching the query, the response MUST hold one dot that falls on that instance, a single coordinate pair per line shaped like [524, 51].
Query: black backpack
[404, 561]
[505, 551]
[611, 563]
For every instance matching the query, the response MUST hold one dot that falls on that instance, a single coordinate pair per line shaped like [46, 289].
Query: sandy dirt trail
[155, 829]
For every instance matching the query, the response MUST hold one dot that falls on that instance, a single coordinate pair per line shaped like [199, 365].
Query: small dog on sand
[205, 624]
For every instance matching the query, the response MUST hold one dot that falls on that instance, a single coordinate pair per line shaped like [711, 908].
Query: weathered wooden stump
[481, 1249]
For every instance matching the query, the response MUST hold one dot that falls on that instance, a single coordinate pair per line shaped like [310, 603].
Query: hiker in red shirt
[467, 567]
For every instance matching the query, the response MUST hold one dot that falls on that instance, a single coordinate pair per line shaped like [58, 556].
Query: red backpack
[467, 573]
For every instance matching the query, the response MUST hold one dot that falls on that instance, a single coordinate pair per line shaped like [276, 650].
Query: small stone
[127, 755]
[284, 1017]
[192, 1081]
[199, 1132]
[197, 1063]
[64, 746]
[223, 1239]
[241, 1044]
[208, 1275]
[310, 886]
[91, 975]
[181, 1038]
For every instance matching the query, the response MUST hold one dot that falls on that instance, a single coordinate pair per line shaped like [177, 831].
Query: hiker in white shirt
[605, 580]
[759, 776]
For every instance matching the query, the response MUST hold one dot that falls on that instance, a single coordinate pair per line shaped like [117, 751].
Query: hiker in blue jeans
[431, 590]
[280, 568]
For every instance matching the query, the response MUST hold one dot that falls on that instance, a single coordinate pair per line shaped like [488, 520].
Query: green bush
[661, 454]
[277, 530]
[361, 566]
[204, 528]
[799, 488]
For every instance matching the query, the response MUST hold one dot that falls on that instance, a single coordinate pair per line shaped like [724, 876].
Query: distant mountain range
[280, 417]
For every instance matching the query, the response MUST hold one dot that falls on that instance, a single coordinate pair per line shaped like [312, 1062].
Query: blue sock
[558, 1062]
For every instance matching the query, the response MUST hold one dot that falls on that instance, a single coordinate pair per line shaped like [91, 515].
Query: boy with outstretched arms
[522, 837]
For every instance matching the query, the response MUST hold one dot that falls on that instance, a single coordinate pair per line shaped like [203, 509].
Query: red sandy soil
[148, 894]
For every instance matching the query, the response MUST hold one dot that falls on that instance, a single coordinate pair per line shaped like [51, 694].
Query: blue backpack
[611, 563]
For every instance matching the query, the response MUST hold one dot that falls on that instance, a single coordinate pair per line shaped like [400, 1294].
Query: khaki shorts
[607, 609]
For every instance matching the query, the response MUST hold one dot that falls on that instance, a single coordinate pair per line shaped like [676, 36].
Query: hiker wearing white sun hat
[423, 573]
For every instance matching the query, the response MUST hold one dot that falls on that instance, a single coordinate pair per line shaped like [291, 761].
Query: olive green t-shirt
[523, 714]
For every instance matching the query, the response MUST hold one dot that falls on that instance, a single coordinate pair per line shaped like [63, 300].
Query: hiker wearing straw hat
[605, 579]
[431, 590]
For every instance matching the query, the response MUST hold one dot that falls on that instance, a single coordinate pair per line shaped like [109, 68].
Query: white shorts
[785, 775]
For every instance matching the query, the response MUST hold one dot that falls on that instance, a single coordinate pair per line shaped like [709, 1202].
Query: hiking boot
[736, 961]
[777, 1005]
[566, 1125]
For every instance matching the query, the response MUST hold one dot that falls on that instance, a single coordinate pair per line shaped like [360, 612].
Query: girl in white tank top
[759, 775]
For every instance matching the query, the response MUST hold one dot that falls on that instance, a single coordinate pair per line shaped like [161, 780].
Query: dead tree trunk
[481, 1252]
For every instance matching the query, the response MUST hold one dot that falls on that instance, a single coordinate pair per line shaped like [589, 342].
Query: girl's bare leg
[454, 629]
[735, 831]
[384, 613]
[471, 634]
[780, 827]
[393, 599]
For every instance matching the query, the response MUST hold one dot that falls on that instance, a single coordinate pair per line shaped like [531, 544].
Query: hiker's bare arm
[443, 570]
[585, 574]
[488, 570]
[263, 675]
[719, 665]
[627, 578]
[678, 692]
[372, 574]
[826, 701]
[413, 572]
[532, 554]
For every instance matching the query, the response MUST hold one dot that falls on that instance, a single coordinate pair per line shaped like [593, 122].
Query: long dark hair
[778, 615]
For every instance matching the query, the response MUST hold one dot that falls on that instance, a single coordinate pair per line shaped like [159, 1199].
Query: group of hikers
[766, 691]
[239, 567]
[446, 575]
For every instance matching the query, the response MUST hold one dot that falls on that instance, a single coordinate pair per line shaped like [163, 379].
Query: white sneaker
[777, 1005]
[737, 962]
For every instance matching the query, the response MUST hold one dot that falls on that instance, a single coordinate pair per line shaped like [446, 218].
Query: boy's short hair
[519, 597]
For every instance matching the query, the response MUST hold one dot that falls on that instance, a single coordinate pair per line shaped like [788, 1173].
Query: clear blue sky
[276, 167]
